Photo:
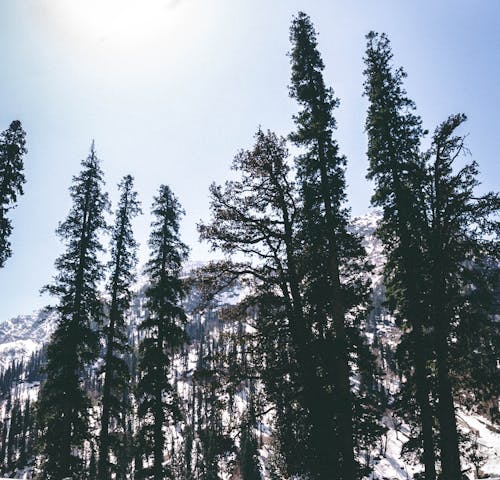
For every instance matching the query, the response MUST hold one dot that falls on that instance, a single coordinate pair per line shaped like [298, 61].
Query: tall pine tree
[324, 218]
[163, 333]
[394, 135]
[12, 151]
[64, 404]
[256, 218]
[460, 237]
[115, 398]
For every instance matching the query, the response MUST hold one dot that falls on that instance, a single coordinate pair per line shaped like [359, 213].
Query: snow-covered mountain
[23, 335]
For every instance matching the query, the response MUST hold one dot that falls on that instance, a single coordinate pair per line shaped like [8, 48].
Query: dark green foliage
[163, 333]
[257, 215]
[462, 247]
[64, 404]
[332, 260]
[394, 135]
[442, 262]
[461, 240]
[12, 151]
[116, 392]
[248, 452]
[18, 432]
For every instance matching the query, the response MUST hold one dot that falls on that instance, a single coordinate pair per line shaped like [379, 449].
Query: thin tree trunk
[103, 462]
[159, 441]
[415, 317]
[449, 444]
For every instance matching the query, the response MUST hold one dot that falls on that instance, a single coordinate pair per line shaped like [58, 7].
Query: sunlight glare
[122, 23]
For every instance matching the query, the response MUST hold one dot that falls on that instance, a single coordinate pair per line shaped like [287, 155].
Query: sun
[121, 24]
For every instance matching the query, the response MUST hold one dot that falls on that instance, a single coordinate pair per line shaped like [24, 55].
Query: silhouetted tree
[394, 135]
[332, 291]
[460, 236]
[115, 398]
[12, 151]
[64, 404]
[163, 332]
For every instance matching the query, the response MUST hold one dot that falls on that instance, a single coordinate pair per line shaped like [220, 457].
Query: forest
[293, 355]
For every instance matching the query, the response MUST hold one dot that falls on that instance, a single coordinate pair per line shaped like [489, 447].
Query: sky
[170, 90]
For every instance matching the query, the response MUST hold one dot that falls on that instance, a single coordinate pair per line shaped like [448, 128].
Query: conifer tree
[3, 443]
[394, 135]
[460, 232]
[15, 413]
[12, 151]
[115, 396]
[163, 333]
[255, 215]
[248, 453]
[323, 228]
[64, 404]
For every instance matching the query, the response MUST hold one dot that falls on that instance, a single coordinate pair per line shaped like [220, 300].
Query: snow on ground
[488, 438]
[390, 466]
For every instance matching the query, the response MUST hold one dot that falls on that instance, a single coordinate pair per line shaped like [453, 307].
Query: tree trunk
[103, 462]
[422, 395]
[344, 413]
[450, 456]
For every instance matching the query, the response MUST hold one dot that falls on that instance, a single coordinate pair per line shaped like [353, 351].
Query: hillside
[22, 339]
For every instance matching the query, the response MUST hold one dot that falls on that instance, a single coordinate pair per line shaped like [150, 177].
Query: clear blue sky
[170, 90]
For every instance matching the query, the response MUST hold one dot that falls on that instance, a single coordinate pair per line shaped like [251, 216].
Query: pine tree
[26, 426]
[64, 404]
[394, 135]
[115, 396]
[323, 228]
[248, 453]
[13, 433]
[163, 332]
[255, 215]
[3, 442]
[459, 234]
[12, 151]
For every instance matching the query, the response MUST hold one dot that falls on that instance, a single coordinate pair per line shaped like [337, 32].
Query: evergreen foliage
[331, 292]
[442, 259]
[64, 404]
[12, 151]
[258, 215]
[255, 215]
[116, 392]
[394, 135]
[163, 334]
[461, 248]
[280, 333]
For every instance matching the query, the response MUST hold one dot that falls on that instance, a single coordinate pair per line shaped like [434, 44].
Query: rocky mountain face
[24, 335]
